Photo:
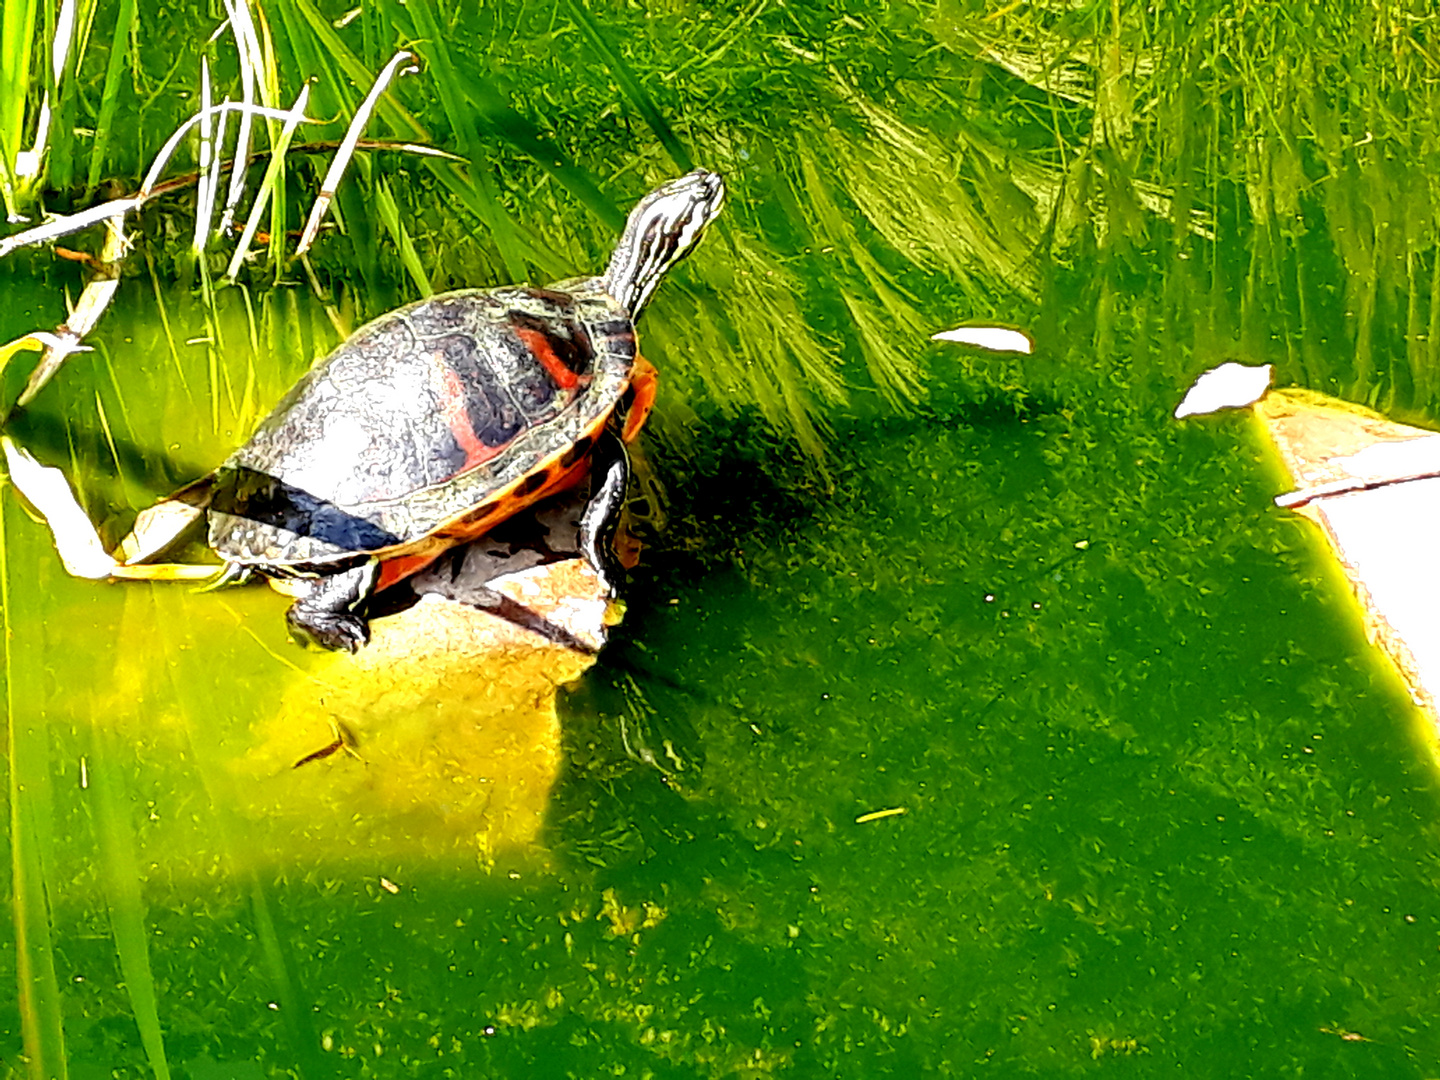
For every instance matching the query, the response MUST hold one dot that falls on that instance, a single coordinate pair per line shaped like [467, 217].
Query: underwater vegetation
[1161, 802]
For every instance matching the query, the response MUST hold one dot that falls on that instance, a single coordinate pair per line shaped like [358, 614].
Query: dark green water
[1166, 812]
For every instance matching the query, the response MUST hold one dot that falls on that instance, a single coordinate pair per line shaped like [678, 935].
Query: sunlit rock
[439, 741]
[441, 738]
[1229, 386]
[994, 338]
[1363, 479]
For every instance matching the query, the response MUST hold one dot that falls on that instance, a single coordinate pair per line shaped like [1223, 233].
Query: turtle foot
[328, 629]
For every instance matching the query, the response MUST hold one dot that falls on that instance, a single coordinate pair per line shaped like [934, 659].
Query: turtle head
[662, 230]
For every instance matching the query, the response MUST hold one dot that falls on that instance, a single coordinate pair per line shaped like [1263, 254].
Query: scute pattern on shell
[423, 414]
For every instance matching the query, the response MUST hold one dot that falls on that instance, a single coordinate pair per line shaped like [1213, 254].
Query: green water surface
[1165, 810]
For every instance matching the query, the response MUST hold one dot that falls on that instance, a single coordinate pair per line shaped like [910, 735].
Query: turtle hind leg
[328, 615]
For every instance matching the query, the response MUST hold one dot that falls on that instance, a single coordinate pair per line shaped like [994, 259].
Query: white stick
[66, 224]
[168, 150]
[69, 223]
[207, 149]
[49, 492]
[277, 160]
[347, 149]
[248, 46]
[216, 160]
[29, 164]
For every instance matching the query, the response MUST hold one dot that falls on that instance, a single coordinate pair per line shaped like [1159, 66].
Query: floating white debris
[49, 492]
[1229, 386]
[994, 338]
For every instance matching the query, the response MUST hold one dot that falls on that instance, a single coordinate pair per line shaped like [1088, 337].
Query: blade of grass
[279, 141]
[447, 80]
[110, 93]
[294, 1008]
[270, 184]
[390, 216]
[66, 224]
[56, 110]
[164, 313]
[888, 337]
[120, 870]
[347, 149]
[454, 179]
[38, 988]
[209, 188]
[18, 29]
[520, 133]
[247, 45]
[61, 32]
[150, 184]
[208, 149]
[60, 170]
[630, 86]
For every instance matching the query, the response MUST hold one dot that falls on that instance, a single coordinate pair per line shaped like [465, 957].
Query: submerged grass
[123, 879]
[32, 847]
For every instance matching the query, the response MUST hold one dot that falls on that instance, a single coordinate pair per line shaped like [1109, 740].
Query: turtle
[437, 421]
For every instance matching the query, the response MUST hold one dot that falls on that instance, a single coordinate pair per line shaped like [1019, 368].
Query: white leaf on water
[1229, 386]
[49, 492]
[994, 338]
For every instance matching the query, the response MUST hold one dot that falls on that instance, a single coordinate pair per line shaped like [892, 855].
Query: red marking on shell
[539, 344]
[457, 419]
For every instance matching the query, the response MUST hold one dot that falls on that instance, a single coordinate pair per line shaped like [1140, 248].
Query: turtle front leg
[326, 616]
[610, 472]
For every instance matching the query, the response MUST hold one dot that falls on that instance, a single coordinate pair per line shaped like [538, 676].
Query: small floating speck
[994, 338]
[876, 815]
[389, 886]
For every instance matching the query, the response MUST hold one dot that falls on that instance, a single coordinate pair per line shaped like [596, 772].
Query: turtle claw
[326, 614]
[331, 630]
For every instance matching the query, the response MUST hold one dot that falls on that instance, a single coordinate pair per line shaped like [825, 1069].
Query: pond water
[1154, 803]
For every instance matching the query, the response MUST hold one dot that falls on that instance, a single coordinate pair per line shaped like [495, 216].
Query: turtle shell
[428, 425]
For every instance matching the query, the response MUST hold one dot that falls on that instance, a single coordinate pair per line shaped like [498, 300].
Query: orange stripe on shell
[457, 419]
[538, 342]
[561, 471]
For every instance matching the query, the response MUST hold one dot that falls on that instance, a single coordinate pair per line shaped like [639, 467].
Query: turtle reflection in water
[438, 421]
